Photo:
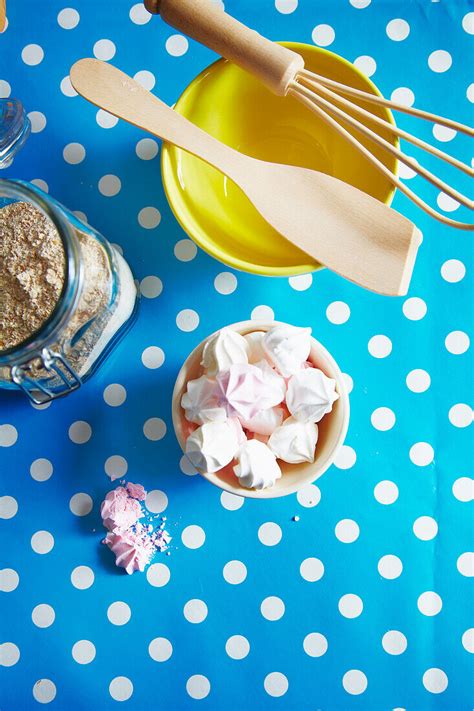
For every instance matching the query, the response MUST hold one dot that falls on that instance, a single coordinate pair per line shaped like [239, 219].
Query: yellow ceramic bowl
[237, 109]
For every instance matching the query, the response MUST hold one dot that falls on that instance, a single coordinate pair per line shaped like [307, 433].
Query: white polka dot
[386, 492]
[365, 64]
[453, 270]
[185, 250]
[360, 4]
[195, 611]
[398, 30]
[272, 608]
[309, 496]
[139, 15]
[156, 501]
[41, 469]
[82, 577]
[119, 613]
[468, 640]
[394, 642]
[177, 45]
[323, 35]
[315, 644]
[68, 18]
[465, 564]
[390, 567]
[338, 312]
[115, 466]
[83, 218]
[160, 649]
[121, 688]
[198, 686]
[42, 542]
[456, 342]
[418, 380]
[149, 218]
[225, 283]
[104, 49]
[345, 458]
[146, 79]
[443, 133]
[461, 415]
[286, 6]
[421, 454]
[276, 684]
[186, 466]
[347, 530]
[405, 172]
[380, 346]
[447, 203]
[8, 435]
[5, 89]
[32, 54]
[383, 419]
[9, 580]
[43, 615]
[67, 88]
[9, 654]
[237, 647]
[158, 575]
[83, 651]
[37, 120]
[435, 680]
[231, 502]
[463, 489]
[262, 313]
[109, 185]
[403, 95]
[81, 504]
[354, 682]
[312, 569]
[468, 23]
[8, 507]
[153, 357]
[350, 606]
[74, 153]
[146, 149]
[115, 395]
[269, 534]
[302, 282]
[414, 308]
[470, 93]
[106, 120]
[154, 429]
[80, 432]
[440, 61]
[44, 691]
[151, 287]
[43, 406]
[187, 320]
[234, 572]
[193, 536]
[42, 185]
[429, 603]
[425, 528]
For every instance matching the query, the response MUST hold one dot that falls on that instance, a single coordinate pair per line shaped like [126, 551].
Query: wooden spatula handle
[274, 65]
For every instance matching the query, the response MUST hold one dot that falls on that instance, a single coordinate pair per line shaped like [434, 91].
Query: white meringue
[257, 467]
[224, 349]
[287, 347]
[265, 421]
[310, 395]
[255, 346]
[199, 402]
[212, 446]
[245, 390]
[294, 441]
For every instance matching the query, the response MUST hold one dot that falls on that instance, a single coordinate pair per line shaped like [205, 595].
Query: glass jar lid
[14, 129]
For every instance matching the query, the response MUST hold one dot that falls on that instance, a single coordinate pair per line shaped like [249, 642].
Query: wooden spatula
[340, 226]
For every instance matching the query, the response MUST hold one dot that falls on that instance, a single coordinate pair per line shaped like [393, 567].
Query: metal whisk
[283, 72]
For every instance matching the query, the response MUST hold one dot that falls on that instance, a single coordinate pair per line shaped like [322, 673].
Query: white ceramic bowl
[332, 428]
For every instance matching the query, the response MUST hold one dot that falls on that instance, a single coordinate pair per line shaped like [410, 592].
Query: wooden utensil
[3, 14]
[283, 72]
[342, 227]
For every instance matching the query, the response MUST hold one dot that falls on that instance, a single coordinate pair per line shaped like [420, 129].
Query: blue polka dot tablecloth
[353, 594]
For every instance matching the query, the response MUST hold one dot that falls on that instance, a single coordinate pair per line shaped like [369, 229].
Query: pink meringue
[136, 491]
[132, 550]
[265, 421]
[119, 511]
[200, 401]
[246, 390]
[310, 395]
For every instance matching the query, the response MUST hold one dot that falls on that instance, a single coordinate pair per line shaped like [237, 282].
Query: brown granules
[32, 267]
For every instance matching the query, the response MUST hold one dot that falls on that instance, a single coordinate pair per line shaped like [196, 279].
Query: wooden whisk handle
[274, 65]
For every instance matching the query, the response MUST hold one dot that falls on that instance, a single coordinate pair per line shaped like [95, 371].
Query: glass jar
[96, 303]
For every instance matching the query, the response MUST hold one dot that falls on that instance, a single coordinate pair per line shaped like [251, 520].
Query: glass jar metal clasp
[57, 366]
